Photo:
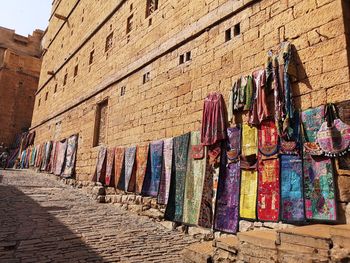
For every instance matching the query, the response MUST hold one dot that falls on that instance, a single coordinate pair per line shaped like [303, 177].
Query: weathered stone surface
[245, 225]
[153, 213]
[200, 233]
[259, 238]
[343, 182]
[98, 190]
[198, 253]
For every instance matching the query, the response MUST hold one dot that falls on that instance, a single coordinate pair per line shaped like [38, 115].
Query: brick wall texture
[19, 76]
[171, 102]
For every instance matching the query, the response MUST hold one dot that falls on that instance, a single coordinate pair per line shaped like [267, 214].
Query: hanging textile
[165, 179]
[247, 82]
[46, 156]
[153, 173]
[227, 204]
[292, 203]
[319, 186]
[52, 158]
[259, 110]
[248, 194]
[33, 156]
[207, 210]
[69, 167]
[174, 209]
[268, 138]
[213, 120]
[268, 190]
[118, 165]
[38, 156]
[249, 140]
[61, 149]
[343, 162]
[22, 160]
[194, 180]
[293, 144]
[110, 167]
[141, 166]
[100, 171]
[129, 176]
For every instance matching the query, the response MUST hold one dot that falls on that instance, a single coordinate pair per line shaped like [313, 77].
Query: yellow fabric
[249, 140]
[249, 185]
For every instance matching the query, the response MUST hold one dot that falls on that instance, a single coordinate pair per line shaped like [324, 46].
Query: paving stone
[44, 220]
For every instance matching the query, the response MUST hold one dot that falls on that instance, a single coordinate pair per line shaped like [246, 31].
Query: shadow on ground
[29, 233]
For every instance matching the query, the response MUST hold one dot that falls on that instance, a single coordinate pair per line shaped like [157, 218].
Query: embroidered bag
[334, 135]
[197, 152]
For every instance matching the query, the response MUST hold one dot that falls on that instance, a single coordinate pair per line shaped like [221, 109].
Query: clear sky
[25, 15]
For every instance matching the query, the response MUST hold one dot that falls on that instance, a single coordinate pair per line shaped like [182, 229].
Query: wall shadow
[29, 233]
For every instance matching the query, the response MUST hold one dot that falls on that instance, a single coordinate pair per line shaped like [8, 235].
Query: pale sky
[25, 15]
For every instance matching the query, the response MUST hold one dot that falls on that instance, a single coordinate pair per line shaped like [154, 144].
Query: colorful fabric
[71, 154]
[213, 120]
[194, 183]
[249, 90]
[61, 150]
[38, 158]
[312, 120]
[141, 166]
[130, 179]
[33, 156]
[46, 156]
[118, 165]
[248, 194]
[153, 174]
[319, 188]
[249, 140]
[174, 210]
[100, 172]
[268, 138]
[227, 202]
[52, 158]
[110, 167]
[292, 203]
[268, 190]
[165, 179]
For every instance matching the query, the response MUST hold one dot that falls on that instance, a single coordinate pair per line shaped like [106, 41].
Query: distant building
[20, 62]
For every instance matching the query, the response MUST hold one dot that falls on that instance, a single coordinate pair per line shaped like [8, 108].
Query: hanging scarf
[61, 156]
[165, 179]
[213, 120]
[130, 179]
[227, 204]
[154, 171]
[292, 203]
[52, 158]
[174, 210]
[248, 194]
[141, 166]
[249, 140]
[110, 167]
[343, 162]
[69, 167]
[33, 156]
[247, 83]
[100, 172]
[46, 156]
[268, 189]
[194, 181]
[119, 165]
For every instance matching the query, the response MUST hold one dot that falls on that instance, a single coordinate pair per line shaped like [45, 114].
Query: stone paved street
[43, 220]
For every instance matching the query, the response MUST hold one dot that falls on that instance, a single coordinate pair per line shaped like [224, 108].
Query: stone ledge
[259, 238]
[198, 253]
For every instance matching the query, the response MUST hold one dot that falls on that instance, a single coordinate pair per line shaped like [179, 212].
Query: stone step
[198, 253]
[226, 249]
[341, 236]
[259, 238]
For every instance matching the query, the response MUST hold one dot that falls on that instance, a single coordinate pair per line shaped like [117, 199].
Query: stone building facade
[127, 72]
[20, 63]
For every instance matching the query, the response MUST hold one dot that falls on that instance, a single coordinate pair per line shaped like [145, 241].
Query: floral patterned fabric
[71, 155]
[118, 164]
[249, 140]
[129, 175]
[61, 149]
[194, 183]
[292, 203]
[109, 167]
[100, 172]
[165, 179]
[141, 165]
[174, 210]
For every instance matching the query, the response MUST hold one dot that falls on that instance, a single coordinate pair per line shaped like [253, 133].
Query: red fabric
[213, 121]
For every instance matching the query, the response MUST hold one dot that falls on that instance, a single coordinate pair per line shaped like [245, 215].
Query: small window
[129, 24]
[146, 77]
[109, 42]
[55, 90]
[46, 95]
[91, 59]
[65, 79]
[39, 102]
[131, 7]
[237, 30]
[152, 5]
[188, 56]
[122, 91]
[76, 68]
[182, 59]
[20, 84]
[228, 35]
[100, 133]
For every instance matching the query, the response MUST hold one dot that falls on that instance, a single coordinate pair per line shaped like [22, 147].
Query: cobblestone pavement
[43, 220]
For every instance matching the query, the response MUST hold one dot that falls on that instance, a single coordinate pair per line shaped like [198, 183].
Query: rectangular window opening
[151, 6]
[122, 91]
[228, 35]
[109, 42]
[76, 70]
[129, 24]
[146, 77]
[65, 79]
[91, 58]
[46, 96]
[182, 59]
[100, 132]
[237, 30]
[188, 56]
